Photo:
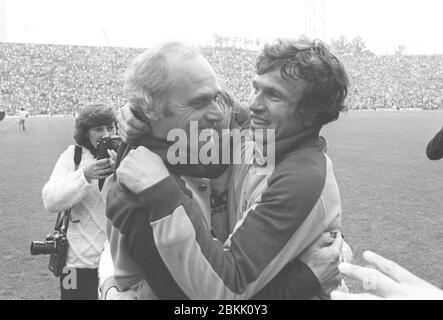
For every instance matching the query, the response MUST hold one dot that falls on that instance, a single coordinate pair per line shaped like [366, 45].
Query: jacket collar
[306, 138]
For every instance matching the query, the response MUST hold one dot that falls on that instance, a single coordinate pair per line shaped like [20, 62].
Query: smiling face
[192, 97]
[273, 103]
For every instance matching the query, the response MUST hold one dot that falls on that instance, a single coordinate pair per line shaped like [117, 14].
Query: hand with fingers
[141, 169]
[99, 169]
[386, 280]
[112, 156]
[130, 128]
[323, 258]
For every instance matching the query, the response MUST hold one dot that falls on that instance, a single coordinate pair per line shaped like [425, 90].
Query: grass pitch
[391, 194]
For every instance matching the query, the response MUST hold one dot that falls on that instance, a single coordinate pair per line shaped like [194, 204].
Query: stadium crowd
[51, 79]
[395, 81]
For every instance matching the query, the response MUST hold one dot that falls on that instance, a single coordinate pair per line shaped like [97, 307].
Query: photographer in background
[80, 190]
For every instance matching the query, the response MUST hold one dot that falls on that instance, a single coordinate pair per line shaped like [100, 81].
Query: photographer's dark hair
[311, 61]
[93, 115]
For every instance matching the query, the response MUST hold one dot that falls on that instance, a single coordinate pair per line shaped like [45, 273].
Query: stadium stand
[51, 79]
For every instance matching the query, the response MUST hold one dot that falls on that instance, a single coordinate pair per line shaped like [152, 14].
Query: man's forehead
[195, 67]
[274, 79]
[192, 79]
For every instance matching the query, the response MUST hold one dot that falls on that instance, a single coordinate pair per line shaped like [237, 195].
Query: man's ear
[150, 110]
[143, 113]
[151, 116]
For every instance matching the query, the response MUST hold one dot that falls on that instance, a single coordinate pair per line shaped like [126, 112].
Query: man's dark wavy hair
[323, 99]
[93, 115]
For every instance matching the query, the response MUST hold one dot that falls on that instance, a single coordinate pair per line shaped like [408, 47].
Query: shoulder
[303, 164]
[301, 174]
[68, 153]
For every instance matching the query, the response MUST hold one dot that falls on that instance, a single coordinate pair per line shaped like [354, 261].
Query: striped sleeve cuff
[162, 198]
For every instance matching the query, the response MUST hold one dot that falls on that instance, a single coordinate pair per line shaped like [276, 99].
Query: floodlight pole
[106, 38]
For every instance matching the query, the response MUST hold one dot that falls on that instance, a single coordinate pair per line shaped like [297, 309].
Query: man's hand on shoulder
[130, 128]
[141, 169]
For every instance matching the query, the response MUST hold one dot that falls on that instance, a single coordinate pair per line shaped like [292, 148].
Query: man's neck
[296, 141]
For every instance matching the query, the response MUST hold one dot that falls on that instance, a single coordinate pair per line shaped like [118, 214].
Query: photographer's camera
[49, 246]
[105, 144]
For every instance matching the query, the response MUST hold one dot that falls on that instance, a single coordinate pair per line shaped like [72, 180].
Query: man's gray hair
[146, 83]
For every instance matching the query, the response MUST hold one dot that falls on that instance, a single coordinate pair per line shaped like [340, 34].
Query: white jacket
[68, 188]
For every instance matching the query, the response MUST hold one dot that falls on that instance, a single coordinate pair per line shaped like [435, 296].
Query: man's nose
[256, 104]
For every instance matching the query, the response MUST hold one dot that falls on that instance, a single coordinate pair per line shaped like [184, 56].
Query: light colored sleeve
[65, 187]
[105, 266]
[107, 285]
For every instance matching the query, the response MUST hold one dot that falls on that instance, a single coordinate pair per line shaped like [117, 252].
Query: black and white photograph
[221, 150]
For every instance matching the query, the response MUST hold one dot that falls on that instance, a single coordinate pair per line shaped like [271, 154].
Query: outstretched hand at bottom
[387, 280]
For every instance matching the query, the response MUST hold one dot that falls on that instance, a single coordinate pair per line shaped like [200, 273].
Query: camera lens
[42, 247]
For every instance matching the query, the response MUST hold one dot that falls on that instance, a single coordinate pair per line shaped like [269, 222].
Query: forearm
[143, 251]
[63, 192]
[105, 266]
[295, 282]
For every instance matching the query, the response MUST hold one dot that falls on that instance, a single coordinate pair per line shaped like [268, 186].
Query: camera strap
[77, 156]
